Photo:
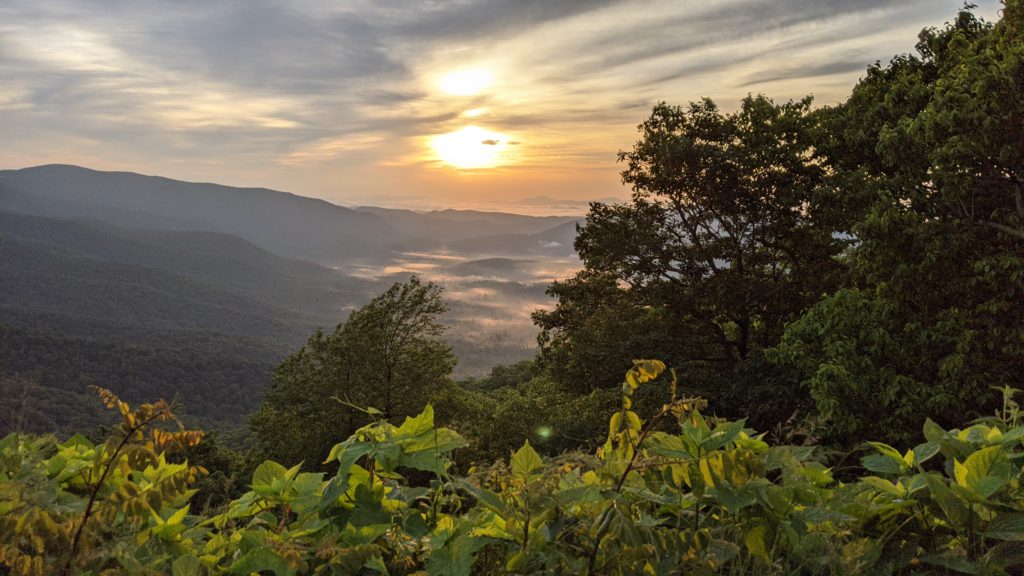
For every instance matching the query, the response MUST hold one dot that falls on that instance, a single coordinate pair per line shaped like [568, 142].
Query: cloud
[803, 72]
[264, 89]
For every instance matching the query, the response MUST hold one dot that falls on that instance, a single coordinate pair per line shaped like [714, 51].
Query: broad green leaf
[723, 434]
[818, 515]
[955, 509]
[439, 439]
[884, 486]
[924, 452]
[883, 464]
[1006, 554]
[178, 517]
[484, 497]
[732, 499]
[420, 424]
[347, 454]
[267, 474]
[959, 564]
[377, 564]
[861, 554]
[260, 560]
[777, 456]
[1013, 435]
[1006, 526]
[517, 562]
[495, 532]
[526, 461]
[456, 557]
[754, 540]
[932, 431]
[669, 446]
[981, 471]
[187, 565]
[817, 474]
[722, 551]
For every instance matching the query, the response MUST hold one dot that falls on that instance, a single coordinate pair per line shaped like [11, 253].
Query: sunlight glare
[470, 147]
[466, 82]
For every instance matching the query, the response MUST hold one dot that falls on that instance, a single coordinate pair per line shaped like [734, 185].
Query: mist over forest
[162, 268]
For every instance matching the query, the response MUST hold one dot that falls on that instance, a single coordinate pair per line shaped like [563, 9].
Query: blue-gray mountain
[156, 287]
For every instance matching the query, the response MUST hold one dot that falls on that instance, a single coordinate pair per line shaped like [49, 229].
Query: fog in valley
[490, 298]
[201, 290]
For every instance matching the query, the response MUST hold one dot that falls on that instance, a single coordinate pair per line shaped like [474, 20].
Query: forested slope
[202, 315]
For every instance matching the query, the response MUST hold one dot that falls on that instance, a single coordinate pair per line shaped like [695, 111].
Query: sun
[466, 82]
[471, 147]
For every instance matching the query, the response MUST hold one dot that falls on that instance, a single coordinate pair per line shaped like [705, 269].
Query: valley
[151, 286]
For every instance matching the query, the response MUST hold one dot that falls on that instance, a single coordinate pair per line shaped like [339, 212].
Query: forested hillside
[196, 315]
[213, 312]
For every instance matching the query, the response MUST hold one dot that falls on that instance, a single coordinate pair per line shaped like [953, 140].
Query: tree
[935, 318]
[725, 240]
[597, 328]
[388, 356]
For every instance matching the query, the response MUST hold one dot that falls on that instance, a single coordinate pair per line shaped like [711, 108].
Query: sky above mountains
[442, 103]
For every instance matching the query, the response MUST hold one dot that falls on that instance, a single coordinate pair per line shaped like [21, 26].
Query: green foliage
[46, 377]
[675, 492]
[388, 355]
[538, 410]
[596, 330]
[873, 373]
[931, 147]
[870, 252]
[227, 472]
[729, 236]
[76, 507]
[503, 376]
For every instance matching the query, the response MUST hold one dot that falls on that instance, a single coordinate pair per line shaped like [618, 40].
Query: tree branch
[1019, 234]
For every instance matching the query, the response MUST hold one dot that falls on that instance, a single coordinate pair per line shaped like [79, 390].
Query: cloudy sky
[423, 103]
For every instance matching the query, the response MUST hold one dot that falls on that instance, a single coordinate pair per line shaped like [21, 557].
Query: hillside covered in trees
[155, 287]
[819, 312]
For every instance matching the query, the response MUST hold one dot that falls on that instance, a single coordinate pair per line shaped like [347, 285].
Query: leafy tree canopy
[725, 240]
[388, 358]
[937, 141]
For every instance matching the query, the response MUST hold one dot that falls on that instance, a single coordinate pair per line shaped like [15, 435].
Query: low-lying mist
[490, 299]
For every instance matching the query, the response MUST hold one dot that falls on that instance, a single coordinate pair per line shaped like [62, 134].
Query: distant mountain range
[285, 224]
[445, 226]
[156, 287]
[556, 241]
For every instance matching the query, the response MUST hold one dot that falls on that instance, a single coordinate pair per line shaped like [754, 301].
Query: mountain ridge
[282, 222]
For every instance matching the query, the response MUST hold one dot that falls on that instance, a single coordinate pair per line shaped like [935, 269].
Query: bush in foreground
[708, 497]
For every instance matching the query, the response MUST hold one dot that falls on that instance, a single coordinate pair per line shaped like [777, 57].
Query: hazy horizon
[445, 105]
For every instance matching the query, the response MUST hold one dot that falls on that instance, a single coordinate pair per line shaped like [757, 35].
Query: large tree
[388, 356]
[936, 318]
[725, 240]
